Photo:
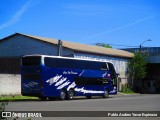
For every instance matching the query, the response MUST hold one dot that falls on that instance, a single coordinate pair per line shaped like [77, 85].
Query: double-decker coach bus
[63, 77]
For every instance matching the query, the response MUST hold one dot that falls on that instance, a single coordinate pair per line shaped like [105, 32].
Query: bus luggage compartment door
[31, 84]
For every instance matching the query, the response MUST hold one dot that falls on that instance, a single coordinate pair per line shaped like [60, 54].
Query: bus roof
[43, 56]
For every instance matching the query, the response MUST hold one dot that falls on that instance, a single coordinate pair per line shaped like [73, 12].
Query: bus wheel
[51, 98]
[70, 94]
[62, 95]
[106, 94]
[89, 97]
[43, 98]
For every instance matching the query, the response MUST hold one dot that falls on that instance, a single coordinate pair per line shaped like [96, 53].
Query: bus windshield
[31, 61]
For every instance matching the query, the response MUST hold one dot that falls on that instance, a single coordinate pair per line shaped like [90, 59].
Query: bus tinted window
[31, 61]
[31, 76]
[71, 63]
[54, 62]
[90, 81]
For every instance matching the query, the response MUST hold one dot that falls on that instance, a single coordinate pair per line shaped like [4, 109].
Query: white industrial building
[13, 47]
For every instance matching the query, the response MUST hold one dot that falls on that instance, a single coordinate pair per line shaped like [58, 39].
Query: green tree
[137, 68]
[104, 45]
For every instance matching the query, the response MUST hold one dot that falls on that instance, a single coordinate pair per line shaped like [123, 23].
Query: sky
[120, 23]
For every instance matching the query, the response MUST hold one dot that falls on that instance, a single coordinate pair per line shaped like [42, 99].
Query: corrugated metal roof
[82, 47]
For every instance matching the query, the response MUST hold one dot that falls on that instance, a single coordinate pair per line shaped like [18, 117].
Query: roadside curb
[123, 94]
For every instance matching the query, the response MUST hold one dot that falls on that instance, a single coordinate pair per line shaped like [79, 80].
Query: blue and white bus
[63, 77]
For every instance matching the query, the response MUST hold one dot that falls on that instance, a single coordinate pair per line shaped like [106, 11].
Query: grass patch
[127, 90]
[14, 98]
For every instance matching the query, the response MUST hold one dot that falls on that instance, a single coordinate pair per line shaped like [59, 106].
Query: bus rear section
[31, 79]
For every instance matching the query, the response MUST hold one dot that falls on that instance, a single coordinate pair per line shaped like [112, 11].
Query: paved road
[113, 103]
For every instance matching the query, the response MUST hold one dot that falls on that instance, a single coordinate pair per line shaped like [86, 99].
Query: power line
[122, 45]
[101, 44]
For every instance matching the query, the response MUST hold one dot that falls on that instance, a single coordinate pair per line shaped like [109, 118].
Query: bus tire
[51, 98]
[70, 94]
[43, 98]
[89, 97]
[62, 95]
[106, 93]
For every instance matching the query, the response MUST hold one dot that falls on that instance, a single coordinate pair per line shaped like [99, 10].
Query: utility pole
[59, 47]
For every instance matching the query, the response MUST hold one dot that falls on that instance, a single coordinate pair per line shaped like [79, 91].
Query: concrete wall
[10, 84]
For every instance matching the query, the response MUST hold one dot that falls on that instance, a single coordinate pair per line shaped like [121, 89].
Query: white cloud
[16, 17]
[121, 27]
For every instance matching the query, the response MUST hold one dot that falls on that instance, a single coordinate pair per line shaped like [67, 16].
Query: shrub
[126, 89]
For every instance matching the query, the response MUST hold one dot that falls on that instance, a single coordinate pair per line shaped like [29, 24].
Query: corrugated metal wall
[20, 45]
